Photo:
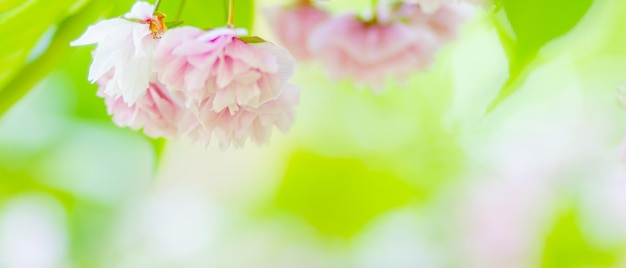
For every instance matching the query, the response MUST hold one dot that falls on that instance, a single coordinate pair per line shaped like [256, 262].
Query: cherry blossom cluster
[187, 82]
[396, 41]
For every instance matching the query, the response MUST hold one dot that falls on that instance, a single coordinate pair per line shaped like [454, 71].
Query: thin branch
[180, 9]
[156, 6]
[231, 13]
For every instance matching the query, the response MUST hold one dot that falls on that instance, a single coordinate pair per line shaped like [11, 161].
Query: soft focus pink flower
[445, 22]
[219, 65]
[502, 221]
[124, 48]
[254, 123]
[294, 24]
[432, 6]
[371, 51]
[157, 112]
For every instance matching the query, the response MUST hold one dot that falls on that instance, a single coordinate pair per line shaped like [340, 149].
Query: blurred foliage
[200, 14]
[338, 196]
[367, 154]
[56, 52]
[534, 23]
[566, 246]
[38, 48]
[25, 23]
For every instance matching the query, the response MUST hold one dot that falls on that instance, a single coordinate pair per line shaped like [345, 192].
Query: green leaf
[23, 25]
[6, 5]
[566, 246]
[209, 14]
[172, 24]
[58, 50]
[534, 23]
[158, 146]
[537, 22]
[338, 196]
[251, 39]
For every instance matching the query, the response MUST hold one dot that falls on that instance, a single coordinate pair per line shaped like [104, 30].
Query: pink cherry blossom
[445, 22]
[294, 24]
[254, 123]
[371, 51]
[501, 221]
[216, 64]
[432, 6]
[236, 90]
[157, 112]
[124, 48]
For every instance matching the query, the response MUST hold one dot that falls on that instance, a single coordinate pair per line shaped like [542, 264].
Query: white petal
[140, 31]
[223, 99]
[101, 65]
[101, 31]
[140, 11]
[133, 79]
[227, 31]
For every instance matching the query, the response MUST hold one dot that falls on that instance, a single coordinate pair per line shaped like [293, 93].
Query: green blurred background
[504, 154]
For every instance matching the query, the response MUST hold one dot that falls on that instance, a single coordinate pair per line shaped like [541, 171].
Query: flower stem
[156, 6]
[180, 9]
[374, 4]
[231, 13]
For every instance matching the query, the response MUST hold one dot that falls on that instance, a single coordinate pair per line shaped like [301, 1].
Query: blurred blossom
[398, 239]
[293, 25]
[604, 205]
[368, 52]
[445, 22]
[175, 226]
[502, 222]
[549, 138]
[432, 6]
[280, 243]
[33, 233]
[124, 48]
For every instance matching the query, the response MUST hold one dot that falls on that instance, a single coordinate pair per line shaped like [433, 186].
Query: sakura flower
[371, 51]
[157, 112]
[219, 66]
[501, 221]
[255, 123]
[124, 48]
[432, 6]
[445, 22]
[294, 24]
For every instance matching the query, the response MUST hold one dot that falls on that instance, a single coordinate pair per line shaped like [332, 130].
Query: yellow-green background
[504, 154]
